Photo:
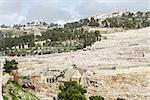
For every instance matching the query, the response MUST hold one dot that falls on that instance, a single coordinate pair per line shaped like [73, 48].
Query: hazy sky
[22, 11]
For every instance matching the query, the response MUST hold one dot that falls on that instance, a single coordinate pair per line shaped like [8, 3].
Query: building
[40, 43]
[23, 46]
[73, 74]
[51, 76]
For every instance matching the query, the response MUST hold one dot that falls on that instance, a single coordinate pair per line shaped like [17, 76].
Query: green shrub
[120, 98]
[5, 97]
[96, 98]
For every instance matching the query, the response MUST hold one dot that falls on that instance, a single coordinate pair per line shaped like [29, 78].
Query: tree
[3, 26]
[96, 98]
[9, 66]
[45, 24]
[130, 14]
[31, 44]
[16, 26]
[71, 90]
[139, 14]
[84, 21]
[97, 34]
[105, 23]
[120, 98]
[93, 22]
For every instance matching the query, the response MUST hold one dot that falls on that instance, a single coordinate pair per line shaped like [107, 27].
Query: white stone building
[51, 76]
[40, 43]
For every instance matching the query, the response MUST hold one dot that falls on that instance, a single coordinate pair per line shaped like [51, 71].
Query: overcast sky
[22, 11]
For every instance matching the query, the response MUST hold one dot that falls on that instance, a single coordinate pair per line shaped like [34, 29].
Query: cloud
[14, 11]
[13, 19]
[8, 7]
[96, 7]
[49, 10]
[70, 6]
[19, 11]
[10, 12]
[149, 4]
[88, 8]
[119, 1]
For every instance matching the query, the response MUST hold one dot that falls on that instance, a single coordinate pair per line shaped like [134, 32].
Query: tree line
[128, 21]
[54, 37]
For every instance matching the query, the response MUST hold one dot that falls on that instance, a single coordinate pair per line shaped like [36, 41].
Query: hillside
[110, 56]
[118, 66]
[16, 92]
[39, 38]
[120, 49]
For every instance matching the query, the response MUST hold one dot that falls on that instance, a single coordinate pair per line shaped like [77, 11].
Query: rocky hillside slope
[119, 65]
[121, 50]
